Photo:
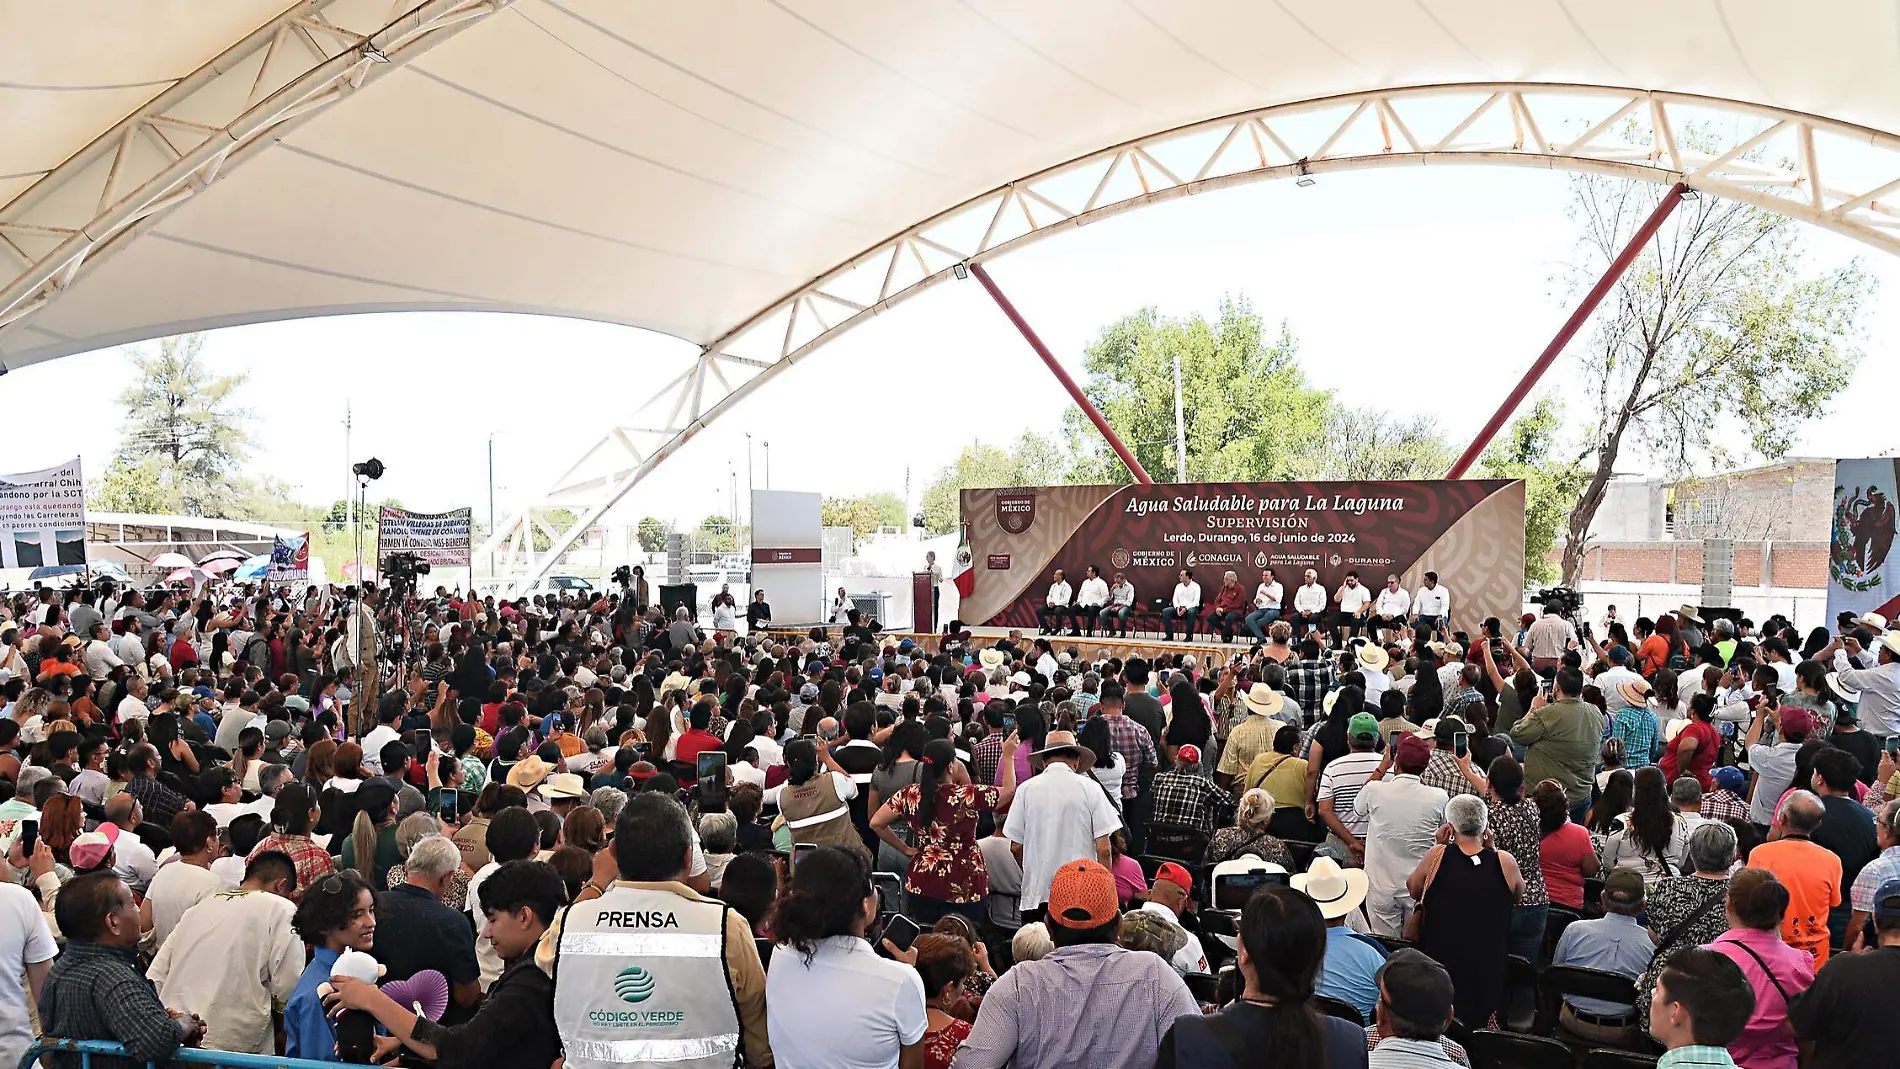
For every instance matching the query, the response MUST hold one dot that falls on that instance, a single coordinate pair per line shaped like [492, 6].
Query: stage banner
[289, 559]
[43, 517]
[1469, 531]
[1860, 576]
[788, 555]
[440, 538]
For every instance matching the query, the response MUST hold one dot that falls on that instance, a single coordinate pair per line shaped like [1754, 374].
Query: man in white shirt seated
[1185, 606]
[1309, 605]
[1089, 601]
[1431, 606]
[1121, 605]
[1266, 605]
[1355, 606]
[1390, 608]
[1054, 607]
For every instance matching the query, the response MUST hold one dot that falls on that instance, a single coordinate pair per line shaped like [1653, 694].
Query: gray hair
[1031, 942]
[272, 777]
[1724, 627]
[719, 833]
[1801, 812]
[1687, 790]
[681, 614]
[433, 857]
[1712, 847]
[414, 828]
[1889, 818]
[1255, 809]
[609, 800]
[1467, 815]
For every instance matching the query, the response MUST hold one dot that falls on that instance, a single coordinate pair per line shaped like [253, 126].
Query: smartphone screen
[901, 931]
[1232, 891]
[29, 837]
[1394, 740]
[1009, 721]
[449, 802]
[1461, 743]
[800, 850]
[1893, 745]
[425, 742]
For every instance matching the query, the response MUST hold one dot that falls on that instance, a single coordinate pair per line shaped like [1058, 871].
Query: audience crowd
[359, 826]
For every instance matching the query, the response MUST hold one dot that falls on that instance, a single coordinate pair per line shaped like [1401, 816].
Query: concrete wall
[1644, 578]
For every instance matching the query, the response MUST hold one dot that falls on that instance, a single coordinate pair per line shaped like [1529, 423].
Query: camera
[623, 575]
[405, 566]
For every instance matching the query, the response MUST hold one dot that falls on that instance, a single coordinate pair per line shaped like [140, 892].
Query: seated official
[1185, 608]
[1056, 606]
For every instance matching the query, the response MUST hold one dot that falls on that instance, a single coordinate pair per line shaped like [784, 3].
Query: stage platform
[1082, 647]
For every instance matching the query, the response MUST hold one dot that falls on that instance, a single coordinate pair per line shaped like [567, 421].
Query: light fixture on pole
[1306, 177]
[961, 270]
[374, 54]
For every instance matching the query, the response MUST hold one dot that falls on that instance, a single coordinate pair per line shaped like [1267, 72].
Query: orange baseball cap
[1082, 895]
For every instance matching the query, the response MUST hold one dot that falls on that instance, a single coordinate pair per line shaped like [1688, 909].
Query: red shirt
[491, 717]
[1706, 743]
[693, 742]
[1561, 854]
[1230, 598]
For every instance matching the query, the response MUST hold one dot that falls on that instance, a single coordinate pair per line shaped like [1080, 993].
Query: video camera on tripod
[400, 571]
[1565, 602]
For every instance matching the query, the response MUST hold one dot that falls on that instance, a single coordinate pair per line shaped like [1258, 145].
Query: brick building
[1646, 545]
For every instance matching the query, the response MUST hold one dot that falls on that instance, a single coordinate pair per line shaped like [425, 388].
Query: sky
[1398, 283]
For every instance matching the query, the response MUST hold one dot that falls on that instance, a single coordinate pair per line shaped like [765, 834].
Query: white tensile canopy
[755, 175]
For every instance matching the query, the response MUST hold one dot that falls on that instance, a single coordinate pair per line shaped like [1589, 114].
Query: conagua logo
[1015, 510]
[633, 984]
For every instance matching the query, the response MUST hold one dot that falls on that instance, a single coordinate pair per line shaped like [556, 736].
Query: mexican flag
[962, 573]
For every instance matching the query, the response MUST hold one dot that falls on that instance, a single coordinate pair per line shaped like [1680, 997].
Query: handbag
[1415, 924]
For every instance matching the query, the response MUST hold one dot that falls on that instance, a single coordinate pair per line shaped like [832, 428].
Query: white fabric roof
[680, 166]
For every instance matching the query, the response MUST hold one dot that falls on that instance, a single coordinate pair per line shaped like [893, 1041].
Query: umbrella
[216, 565]
[186, 575]
[51, 571]
[254, 568]
[349, 572]
[222, 554]
[171, 560]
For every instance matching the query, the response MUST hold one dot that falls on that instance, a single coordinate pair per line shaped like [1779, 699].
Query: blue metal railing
[86, 1048]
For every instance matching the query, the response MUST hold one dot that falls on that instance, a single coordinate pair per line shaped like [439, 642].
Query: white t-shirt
[1431, 601]
[1393, 602]
[1057, 817]
[134, 862]
[1310, 597]
[175, 889]
[1094, 593]
[847, 1009]
[1268, 595]
[227, 961]
[25, 939]
[1353, 598]
[1059, 593]
[1187, 595]
[380, 736]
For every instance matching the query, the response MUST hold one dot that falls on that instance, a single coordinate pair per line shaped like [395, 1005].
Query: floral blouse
[1516, 830]
[949, 865]
[1675, 900]
[941, 1045]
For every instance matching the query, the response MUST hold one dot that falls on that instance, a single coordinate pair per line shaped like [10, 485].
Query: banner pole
[1055, 368]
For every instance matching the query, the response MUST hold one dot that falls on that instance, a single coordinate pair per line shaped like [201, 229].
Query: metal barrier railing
[86, 1048]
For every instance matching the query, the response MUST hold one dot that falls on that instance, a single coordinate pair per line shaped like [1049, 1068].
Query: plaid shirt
[160, 802]
[1872, 875]
[1136, 746]
[1308, 682]
[1442, 772]
[986, 758]
[1636, 726]
[96, 991]
[1189, 800]
[313, 862]
[1404, 1053]
[1721, 804]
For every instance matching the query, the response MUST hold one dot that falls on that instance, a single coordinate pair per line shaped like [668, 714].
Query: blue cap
[1887, 901]
[876, 674]
[1729, 778]
[906, 645]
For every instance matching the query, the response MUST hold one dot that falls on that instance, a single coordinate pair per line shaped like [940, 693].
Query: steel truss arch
[184, 139]
[1817, 170]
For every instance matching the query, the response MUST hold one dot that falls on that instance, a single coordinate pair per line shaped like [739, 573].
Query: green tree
[1717, 344]
[652, 533]
[1249, 412]
[1034, 460]
[1529, 450]
[715, 534]
[857, 513]
[1367, 443]
[178, 410]
[144, 485]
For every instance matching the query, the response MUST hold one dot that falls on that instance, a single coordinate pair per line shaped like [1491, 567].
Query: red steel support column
[1089, 410]
[1569, 329]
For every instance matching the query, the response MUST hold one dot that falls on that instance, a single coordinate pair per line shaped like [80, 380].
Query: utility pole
[349, 487]
[748, 474]
[1180, 428]
[768, 465]
[491, 504]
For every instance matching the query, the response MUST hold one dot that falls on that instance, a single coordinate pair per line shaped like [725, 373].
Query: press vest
[814, 813]
[640, 979]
